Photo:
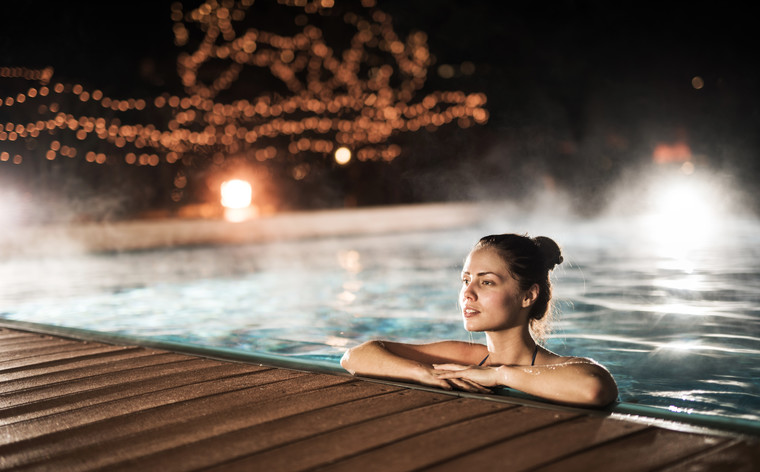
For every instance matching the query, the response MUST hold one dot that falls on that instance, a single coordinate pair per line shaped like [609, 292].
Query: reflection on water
[678, 329]
[674, 307]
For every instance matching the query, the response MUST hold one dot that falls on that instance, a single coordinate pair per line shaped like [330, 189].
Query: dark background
[579, 93]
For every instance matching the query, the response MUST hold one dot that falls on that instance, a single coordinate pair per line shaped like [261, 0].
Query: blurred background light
[342, 155]
[236, 193]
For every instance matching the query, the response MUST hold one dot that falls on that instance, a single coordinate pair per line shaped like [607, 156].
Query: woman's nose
[468, 293]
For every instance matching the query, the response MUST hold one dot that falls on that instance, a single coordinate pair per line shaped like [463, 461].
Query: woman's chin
[472, 327]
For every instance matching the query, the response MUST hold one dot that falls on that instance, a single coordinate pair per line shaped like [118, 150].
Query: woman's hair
[529, 261]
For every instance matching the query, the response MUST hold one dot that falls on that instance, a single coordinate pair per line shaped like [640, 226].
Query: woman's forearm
[372, 359]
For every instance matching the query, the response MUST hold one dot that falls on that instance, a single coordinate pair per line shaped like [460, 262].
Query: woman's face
[490, 297]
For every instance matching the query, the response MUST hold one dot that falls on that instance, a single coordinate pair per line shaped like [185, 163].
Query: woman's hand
[429, 376]
[576, 381]
[407, 363]
[469, 378]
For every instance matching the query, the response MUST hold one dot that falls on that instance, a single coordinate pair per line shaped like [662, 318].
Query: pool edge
[685, 422]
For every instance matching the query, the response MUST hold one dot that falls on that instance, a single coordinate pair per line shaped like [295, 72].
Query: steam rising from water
[669, 205]
[676, 319]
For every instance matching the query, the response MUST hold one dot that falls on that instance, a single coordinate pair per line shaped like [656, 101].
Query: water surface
[675, 319]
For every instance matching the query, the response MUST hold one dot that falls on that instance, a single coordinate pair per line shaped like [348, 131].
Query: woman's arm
[411, 362]
[575, 381]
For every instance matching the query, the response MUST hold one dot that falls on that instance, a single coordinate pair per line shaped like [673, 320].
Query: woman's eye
[465, 282]
[487, 282]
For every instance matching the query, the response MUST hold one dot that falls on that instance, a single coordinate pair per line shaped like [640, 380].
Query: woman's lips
[469, 312]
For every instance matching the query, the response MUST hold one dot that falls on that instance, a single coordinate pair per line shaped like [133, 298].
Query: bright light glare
[684, 213]
[238, 215]
[236, 194]
[683, 201]
[342, 155]
[682, 345]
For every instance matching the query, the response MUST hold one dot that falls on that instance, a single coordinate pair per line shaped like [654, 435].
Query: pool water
[677, 322]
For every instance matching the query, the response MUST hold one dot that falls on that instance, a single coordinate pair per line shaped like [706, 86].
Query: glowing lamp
[236, 194]
[342, 155]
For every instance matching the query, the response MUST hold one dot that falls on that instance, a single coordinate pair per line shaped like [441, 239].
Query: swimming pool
[676, 321]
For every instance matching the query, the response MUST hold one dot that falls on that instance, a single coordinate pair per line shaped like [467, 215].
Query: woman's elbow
[345, 361]
[352, 357]
[600, 393]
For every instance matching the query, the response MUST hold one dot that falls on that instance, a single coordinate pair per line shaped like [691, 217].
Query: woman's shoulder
[548, 357]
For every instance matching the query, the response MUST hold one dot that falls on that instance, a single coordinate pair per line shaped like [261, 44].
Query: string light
[342, 155]
[357, 98]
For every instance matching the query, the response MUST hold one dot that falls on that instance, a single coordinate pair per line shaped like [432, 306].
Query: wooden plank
[202, 371]
[18, 344]
[558, 440]
[734, 455]
[223, 448]
[646, 450]
[205, 439]
[133, 359]
[389, 429]
[10, 366]
[129, 408]
[54, 348]
[186, 422]
[71, 418]
[97, 384]
[450, 441]
[9, 334]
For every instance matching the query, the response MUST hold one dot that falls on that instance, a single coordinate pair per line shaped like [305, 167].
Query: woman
[505, 293]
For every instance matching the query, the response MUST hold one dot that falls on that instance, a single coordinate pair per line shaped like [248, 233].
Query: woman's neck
[510, 347]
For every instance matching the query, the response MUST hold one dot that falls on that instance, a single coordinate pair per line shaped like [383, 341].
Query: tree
[286, 99]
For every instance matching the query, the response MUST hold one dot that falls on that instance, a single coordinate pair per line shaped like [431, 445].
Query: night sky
[578, 91]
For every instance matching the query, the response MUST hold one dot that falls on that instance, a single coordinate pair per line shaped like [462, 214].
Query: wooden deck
[69, 404]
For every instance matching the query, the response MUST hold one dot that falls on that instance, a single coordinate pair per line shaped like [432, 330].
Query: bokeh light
[342, 155]
[325, 95]
[236, 193]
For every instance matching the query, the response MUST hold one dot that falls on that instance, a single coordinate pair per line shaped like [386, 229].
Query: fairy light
[357, 98]
[342, 155]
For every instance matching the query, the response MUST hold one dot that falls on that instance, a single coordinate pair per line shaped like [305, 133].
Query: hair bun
[549, 250]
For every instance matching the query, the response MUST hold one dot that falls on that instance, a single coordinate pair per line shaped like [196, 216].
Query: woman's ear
[530, 296]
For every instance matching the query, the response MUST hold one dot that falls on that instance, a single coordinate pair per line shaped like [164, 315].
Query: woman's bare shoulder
[450, 344]
[551, 358]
